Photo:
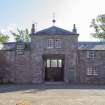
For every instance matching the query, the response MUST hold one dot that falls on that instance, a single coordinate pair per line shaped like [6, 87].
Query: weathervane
[53, 19]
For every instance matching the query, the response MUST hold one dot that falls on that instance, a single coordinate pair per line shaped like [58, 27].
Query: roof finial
[34, 28]
[53, 19]
[74, 28]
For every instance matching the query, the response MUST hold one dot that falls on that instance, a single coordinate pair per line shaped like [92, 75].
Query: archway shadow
[34, 88]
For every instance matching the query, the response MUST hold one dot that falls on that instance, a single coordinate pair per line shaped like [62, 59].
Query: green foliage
[99, 26]
[21, 35]
[3, 38]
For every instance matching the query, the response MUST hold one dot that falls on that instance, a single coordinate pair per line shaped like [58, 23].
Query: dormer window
[54, 43]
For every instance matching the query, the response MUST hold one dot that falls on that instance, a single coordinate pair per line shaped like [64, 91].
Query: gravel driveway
[52, 94]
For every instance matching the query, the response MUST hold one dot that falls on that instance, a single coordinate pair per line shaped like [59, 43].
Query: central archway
[54, 67]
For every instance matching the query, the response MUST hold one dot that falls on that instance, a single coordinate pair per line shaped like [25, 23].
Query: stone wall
[29, 68]
[23, 71]
[98, 63]
[19, 66]
[69, 49]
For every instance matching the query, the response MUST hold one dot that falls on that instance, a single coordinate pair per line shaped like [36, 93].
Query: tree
[21, 35]
[3, 38]
[99, 26]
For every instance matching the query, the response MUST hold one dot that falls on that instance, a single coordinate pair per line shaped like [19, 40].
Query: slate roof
[81, 45]
[55, 31]
[91, 45]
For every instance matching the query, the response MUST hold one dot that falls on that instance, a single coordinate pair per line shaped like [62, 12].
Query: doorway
[54, 69]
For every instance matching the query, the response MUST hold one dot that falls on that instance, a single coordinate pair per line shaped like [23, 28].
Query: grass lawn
[52, 94]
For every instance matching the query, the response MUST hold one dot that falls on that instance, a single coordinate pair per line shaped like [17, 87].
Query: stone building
[55, 55]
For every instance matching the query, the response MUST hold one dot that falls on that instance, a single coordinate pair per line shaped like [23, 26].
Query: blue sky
[22, 13]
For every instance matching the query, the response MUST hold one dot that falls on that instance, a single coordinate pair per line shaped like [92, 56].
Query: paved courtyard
[52, 94]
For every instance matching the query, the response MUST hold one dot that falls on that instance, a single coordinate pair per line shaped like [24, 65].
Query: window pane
[92, 71]
[59, 63]
[53, 63]
[48, 62]
[57, 43]
[50, 43]
[89, 71]
[91, 54]
[95, 71]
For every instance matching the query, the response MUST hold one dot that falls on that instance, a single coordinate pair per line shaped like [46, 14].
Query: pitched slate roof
[91, 45]
[55, 31]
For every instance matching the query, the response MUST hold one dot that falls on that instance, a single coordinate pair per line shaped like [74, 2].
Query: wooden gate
[54, 69]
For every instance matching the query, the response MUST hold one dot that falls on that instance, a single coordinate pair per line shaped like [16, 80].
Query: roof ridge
[54, 30]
